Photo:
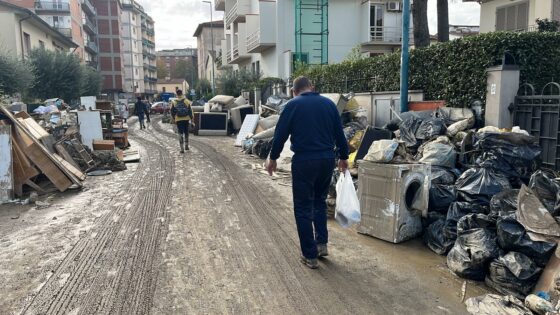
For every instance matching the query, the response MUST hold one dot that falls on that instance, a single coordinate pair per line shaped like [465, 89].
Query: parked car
[159, 108]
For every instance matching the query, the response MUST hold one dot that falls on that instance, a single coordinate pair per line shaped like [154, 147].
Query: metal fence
[538, 112]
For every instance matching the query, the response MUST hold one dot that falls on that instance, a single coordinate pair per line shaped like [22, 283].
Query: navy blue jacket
[315, 128]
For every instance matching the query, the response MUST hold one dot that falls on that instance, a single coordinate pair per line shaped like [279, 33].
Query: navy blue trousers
[310, 186]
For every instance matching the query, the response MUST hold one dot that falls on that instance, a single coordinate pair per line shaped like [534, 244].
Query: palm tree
[443, 20]
[420, 23]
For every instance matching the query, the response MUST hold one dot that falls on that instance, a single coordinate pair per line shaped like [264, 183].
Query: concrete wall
[346, 27]
[9, 36]
[377, 106]
[537, 9]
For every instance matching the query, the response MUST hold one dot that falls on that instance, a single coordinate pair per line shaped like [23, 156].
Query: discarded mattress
[224, 100]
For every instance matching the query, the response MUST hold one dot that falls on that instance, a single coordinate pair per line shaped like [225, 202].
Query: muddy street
[202, 233]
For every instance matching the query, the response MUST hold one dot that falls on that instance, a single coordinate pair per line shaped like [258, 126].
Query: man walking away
[147, 109]
[181, 112]
[140, 110]
[315, 128]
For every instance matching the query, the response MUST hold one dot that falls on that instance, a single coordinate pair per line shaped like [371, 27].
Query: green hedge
[454, 71]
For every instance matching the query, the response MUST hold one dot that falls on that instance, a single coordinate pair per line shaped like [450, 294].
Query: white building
[515, 15]
[271, 36]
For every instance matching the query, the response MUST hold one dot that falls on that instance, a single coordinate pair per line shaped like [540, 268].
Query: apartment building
[209, 54]
[170, 57]
[110, 46]
[515, 15]
[23, 31]
[63, 15]
[89, 25]
[131, 37]
[149, 55]
[272, 36]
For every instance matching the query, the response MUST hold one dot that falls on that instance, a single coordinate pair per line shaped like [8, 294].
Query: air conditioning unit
[394, 6]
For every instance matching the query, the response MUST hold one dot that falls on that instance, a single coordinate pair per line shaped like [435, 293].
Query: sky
[176, 20]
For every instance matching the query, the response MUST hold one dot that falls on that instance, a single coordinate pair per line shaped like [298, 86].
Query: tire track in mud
[307, 294]
[112, 269]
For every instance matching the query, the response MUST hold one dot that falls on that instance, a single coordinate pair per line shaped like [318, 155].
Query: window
[26, 43]
[136, 71]
[376, 21]
[42, 44]
[512, 18]
[136, 57]
[258, 67]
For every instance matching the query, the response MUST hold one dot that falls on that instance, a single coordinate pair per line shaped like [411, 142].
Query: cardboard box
[100, 145]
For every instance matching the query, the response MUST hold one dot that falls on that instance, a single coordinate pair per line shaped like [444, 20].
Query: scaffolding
[312, 31]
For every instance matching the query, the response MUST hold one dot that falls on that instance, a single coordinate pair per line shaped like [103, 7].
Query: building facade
[516, 15]
[170, 57]
[271, 37]
[110, 46]
[89, 25]
[149, 55]
[208, 51]
[172, 85]
[19, 38]
[133, 64]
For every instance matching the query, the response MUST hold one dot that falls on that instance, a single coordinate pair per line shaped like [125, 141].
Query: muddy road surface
[202, 233]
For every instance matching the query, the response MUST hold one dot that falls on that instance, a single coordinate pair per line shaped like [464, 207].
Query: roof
[39, 22]
[171, 81]
[207, 24]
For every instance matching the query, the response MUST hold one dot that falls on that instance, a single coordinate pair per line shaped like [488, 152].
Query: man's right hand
[271, 166]
[342, 165]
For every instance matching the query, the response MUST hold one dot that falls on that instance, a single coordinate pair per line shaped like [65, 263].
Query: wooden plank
[6, 165]
[36, 187]
[23, 169]
[75, 171]
[42, 160]
[35, 129]
[22, 115]
[21, 130]
[60, 149]
[104, 145]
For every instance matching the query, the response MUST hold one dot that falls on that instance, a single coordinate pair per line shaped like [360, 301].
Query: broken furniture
[392, 199]
[90, 127]
[213, 124]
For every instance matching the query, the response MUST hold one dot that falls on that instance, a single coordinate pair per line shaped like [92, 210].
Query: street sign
[193, 92]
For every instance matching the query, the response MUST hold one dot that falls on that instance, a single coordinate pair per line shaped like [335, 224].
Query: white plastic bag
[382, 151]
[347, 203]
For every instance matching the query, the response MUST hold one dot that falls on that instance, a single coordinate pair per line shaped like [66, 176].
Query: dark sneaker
[322, 250]
[187, 148]
[311, 263]
[182, 151]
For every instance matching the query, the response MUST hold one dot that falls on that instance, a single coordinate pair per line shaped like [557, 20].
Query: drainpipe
[21, 35]
[404, 55]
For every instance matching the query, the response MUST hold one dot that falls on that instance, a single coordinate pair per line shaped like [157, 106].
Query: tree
[203, 88]
[91, 81]
[232, 83]
[16, 76]
[420, 23]
[355, 54]
[546, 25]
[58, 74]
[162, 72]
[443, 20]
[184, 70]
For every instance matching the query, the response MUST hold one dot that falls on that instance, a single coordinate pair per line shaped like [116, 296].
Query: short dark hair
[179, 92]
[301, 83]
[139, 98]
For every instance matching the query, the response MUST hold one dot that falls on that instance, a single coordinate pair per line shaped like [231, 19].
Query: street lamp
[212, 38]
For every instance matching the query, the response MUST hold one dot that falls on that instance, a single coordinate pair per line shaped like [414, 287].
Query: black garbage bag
[262, 148]
[432, 217]
[547, 188]
[513, 273]
[514, 154]
[395, 123]
[475, 246]
[430, 128]
[478, 185]
[513, 237]
[277, 102]
[443, 176]
[435, 240]
[504, 204]
[456, 211]
[441, 197]
[408, 130]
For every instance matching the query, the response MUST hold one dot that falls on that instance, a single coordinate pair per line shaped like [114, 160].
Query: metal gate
[539, 114]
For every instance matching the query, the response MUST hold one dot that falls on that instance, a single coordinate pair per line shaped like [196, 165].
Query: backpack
[182, 109]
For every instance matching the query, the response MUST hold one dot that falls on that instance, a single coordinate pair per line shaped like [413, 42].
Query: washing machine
[393, 198]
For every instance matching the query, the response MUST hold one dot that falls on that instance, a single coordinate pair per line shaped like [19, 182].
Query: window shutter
[522, 16]
[510, 18]
[500, 19]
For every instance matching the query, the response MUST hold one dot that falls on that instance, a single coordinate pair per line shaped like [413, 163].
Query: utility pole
[405, 55]
[212, 38]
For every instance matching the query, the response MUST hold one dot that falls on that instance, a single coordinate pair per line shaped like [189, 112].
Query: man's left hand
[271, 166]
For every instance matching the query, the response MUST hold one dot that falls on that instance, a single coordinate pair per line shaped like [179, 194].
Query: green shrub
[16, 76]
[453, 71]
[58, 75]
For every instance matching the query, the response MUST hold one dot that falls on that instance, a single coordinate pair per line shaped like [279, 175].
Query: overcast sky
[176, 20]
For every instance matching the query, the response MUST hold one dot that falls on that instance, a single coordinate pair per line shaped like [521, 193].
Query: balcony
[92, 64]
[219, 5]
[92, 47]
[52, 6]
[66, 31]
[89, 26]
[88, 8]
[237, 11]
[150, 91]
[387, 35]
